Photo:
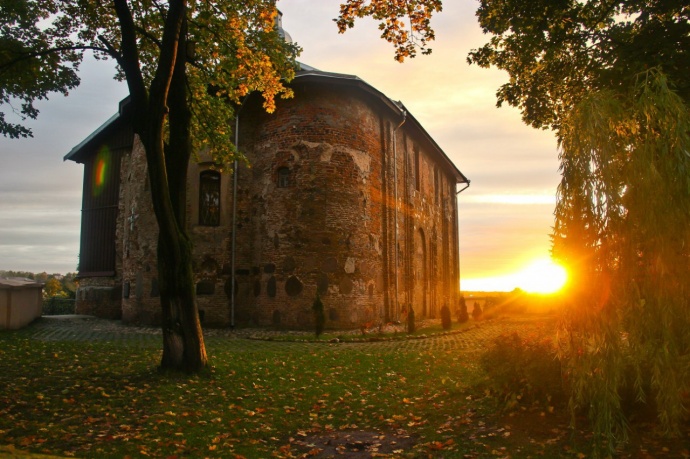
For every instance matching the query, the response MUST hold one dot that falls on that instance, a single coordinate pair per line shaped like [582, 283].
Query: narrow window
[417, 170]
[437, 186]
[209, 198]
[283, 177]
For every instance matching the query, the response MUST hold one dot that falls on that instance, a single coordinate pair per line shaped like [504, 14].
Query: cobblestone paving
[85, 328]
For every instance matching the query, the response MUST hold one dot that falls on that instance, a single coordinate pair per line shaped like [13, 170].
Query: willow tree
[611, 79]
[186, 64]
[626, 225]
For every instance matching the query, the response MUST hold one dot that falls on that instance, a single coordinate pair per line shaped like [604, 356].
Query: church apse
[335, 199]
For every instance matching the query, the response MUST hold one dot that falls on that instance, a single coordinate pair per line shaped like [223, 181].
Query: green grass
[103, 400]
[370, 335]
[257, 400]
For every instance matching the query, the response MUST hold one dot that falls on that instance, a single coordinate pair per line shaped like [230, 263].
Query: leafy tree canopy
[611, 79]
[233, 49]
[556, 52]
[187, 64]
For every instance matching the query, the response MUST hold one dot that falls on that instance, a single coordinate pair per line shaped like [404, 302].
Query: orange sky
[505, 216]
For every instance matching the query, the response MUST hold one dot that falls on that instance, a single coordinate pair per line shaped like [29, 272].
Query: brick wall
[327, 225]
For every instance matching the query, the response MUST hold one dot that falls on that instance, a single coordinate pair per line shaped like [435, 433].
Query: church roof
[81, 150]
[397, 107]
[305, 74]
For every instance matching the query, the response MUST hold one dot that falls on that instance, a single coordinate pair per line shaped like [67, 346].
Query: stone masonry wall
[322, 231]
[140, 300]
[315, 213]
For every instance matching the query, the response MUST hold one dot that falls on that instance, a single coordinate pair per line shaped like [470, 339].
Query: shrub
[477, 311]
[445, 317]
[319, 316]
[523, 369]
[58, 306]
[462, 314]
[411, 326]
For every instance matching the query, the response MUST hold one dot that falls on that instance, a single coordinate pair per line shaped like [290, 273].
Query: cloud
[505, 216]
[40, 194]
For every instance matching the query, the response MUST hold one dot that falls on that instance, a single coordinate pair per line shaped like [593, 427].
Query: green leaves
[611, 80]
[557, 52]
[41, 46]
[622, 222]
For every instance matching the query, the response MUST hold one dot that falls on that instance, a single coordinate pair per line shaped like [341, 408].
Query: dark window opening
[209, 198]
[283, 177]
[417, 170]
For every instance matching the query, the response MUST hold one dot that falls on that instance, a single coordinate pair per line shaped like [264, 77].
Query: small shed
[21, 302]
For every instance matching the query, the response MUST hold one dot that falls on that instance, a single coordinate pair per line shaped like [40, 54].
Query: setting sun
[542, 275]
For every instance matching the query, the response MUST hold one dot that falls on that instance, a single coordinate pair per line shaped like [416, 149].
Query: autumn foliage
[406, 25]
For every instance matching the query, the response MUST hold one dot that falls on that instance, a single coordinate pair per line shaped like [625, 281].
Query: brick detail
[329, 225]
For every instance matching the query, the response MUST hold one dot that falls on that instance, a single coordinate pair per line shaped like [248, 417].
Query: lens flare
[101, 170]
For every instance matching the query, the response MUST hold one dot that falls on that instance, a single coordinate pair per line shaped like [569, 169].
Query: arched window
[209, 198]
[283, 177]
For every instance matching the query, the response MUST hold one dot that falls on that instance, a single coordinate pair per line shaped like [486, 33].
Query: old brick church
[346, 195]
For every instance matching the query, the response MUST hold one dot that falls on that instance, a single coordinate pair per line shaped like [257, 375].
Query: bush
[58, 306]
[462, 314]
[411, 326]
[319, 316]
[523, 369]
[477, 311]
[445, 317]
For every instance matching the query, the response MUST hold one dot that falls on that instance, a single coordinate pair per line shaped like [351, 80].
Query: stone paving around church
[474, 338]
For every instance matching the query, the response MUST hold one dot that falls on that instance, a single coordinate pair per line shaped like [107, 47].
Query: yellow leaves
[438, 446]
[268, 16]
[408, 28]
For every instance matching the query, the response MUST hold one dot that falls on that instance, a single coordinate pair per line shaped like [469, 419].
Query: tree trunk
[183, 343]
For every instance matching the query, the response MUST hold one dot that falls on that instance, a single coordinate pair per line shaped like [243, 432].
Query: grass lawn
[267, 399]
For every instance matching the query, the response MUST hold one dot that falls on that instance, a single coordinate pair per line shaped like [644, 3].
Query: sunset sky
[505, 216]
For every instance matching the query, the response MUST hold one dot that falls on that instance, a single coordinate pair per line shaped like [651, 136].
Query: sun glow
[542, 275]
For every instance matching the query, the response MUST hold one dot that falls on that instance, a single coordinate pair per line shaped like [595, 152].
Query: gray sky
[505, 216]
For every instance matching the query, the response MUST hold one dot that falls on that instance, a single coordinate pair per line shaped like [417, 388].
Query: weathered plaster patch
[361, 159]
[326, 152]
[350, 265]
